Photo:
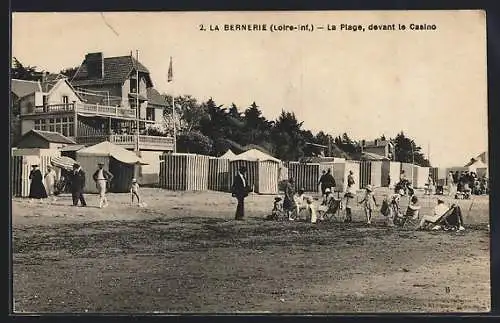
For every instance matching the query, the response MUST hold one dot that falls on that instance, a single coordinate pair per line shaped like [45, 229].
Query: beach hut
[228, 155]
[439, 175]
[390, 170]
[370, 173]
[218, 174]
[407, 168]
[305, 175]
[420, 176]
[21, 161]
[263, 170]
[341, 171]
[184, 172]
[122, 163]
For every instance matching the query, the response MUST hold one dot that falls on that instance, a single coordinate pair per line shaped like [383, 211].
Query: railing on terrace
[96, 109]
[128, 141]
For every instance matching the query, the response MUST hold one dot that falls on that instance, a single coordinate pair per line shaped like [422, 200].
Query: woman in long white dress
[50, 181]
[451, 184]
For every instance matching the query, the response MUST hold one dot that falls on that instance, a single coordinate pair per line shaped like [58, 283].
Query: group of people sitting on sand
[294, 205]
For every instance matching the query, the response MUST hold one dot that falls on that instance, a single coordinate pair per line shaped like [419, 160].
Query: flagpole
[137, 110]
[170, 78]
[175, 125]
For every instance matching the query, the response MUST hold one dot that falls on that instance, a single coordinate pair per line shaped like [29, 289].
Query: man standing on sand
[327, 181]
[240, 190]
[77, 179]
[102, 177]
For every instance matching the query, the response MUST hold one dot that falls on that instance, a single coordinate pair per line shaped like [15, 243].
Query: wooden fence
[184, 172]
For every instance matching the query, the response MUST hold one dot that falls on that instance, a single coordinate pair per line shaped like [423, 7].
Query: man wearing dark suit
[240, 190]
[77, 180]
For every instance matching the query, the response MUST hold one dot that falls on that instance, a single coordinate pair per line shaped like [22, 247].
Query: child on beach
[134, 191]
[369, 204]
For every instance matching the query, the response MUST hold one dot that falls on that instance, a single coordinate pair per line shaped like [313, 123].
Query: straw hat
[369, 188]
[134, 180]
[328, 190]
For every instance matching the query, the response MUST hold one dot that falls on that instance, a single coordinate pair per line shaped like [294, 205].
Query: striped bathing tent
[305, 175]
[370, 173]
[407, 168]
[341, 172]
[420, 176]
[184, 172]
[218, 174]
[123, 164]
[390, 169]
[439, 175]
[21, 162]
[262, 175]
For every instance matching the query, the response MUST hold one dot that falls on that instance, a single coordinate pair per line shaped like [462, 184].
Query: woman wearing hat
[289, 201]
[37, 189]
[349, 194]
[369, 203]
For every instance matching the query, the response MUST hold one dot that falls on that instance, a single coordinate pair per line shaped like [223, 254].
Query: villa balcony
[129, 141]
[84, 108]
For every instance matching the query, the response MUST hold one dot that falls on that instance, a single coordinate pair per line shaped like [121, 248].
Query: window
[71, 130]
[45, 102]
[52, 128]
[133, 85]
[65, 99]
[65, 129]
[150, 114]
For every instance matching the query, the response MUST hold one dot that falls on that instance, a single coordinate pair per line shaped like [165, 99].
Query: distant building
[384, 148]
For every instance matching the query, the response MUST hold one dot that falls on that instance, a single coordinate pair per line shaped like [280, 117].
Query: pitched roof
[155, 98]
[50, 80]
[116, 71]
[21, 88]
[51, 136]
[109, 149]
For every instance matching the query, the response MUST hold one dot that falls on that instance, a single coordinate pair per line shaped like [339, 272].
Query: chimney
[95, 65]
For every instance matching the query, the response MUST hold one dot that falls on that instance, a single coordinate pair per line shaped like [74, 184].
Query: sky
[430, 84]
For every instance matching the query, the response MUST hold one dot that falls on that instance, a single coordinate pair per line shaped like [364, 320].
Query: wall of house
[53, 145]
[27, 125]
[125, 90]
[60, 90]
[28, 103]
[158, 115]
[114, 90]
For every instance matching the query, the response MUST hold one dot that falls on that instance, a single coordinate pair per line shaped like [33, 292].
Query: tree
[69, 72]
[287, 138]
[407, 151]
[21, 72]
[194, 142]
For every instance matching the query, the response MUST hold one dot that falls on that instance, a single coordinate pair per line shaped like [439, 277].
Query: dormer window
[65, 100]
[133, 85]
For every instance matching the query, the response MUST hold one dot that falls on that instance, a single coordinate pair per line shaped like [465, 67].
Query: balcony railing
[95, 109]
[128, 141]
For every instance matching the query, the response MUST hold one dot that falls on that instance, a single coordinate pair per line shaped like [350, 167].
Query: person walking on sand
[50, 181]
[102, 177]
[369, 204]
[240, 190]
[37, 189]
[77, 180]
[134, 191]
